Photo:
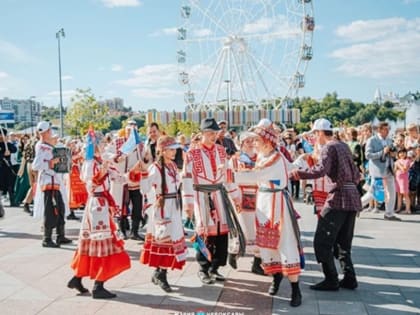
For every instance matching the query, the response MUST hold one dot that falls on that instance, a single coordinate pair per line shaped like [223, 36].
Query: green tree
[85, 111]
[175, 126]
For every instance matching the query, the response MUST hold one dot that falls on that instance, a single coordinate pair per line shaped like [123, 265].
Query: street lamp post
[31, 104]
[58, 35]
[228, 102]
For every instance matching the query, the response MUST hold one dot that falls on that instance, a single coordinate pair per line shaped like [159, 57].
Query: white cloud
[3, 75]
[202, 32]
[157, 93]
[66, 77]
[154, 81]
[116, 68]
[380, 48]
[359, 31]
[67, 94]
[172, 31]
[258, 26]
[152, 76]
[11, 52]
[121, 3]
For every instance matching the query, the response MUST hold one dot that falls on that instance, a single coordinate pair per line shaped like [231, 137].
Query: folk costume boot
[99, 292]
[296, 295]
[122, 224]
[162, 281]
[275, 285]
[135, 231]
[256, 266]
[232, 260]
[61, 239]
[349, 282]
[76, 283]
[330, 283]
[47, 242]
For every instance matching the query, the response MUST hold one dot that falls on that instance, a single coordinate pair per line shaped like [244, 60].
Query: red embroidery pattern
[197, 161]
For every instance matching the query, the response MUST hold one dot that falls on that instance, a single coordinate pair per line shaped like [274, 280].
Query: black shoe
[275, 285]
[50, 243]
[26, 208]
[326, 285]
[159, 278]
[296, 295]
[144, 221]
[348, 283]
[102, 293]
[205, 277]
[76, 283]
[216, 276]
[72, 216]
[137, 237]
[232, 260]
[392, 218]
[63, 240]
[256, 267]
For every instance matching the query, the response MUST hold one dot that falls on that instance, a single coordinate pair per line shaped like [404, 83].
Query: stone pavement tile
[29, 307]
[392, 260]
[245, 292]
[113, 308]
[142, 295]
[340, 295]
[83, 306]
[333, 307]
[9, 285]
[385, 301]
[309, 302]
[412, 297]
[391, 309]
[370, 271]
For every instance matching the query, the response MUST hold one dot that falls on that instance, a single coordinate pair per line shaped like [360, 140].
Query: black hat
[209, 124]
[3, 132]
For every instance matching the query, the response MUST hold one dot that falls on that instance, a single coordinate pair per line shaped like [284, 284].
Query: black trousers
[335, 230]
[218, 247]
[53, 213]
[136, 199]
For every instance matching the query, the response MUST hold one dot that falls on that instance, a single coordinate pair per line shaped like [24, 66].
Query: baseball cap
[43, 126]
[322, 124]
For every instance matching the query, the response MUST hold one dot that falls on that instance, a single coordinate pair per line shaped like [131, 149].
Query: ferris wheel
[243, 53]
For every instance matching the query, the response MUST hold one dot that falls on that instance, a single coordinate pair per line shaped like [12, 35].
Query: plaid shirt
[336, 162]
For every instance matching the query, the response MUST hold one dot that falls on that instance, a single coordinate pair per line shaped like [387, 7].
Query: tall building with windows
[114, 104]
[26, 111]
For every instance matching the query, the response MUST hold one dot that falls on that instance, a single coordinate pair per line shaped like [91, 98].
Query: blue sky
[127, 49]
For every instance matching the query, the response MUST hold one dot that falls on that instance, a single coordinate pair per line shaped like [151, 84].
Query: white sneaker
[376, 210]
[370, 209]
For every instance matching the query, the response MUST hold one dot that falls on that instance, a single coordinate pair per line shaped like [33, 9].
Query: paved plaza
[386, 255]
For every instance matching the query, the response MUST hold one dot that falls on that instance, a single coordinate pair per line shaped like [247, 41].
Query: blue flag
[131, 143]
[90, 144]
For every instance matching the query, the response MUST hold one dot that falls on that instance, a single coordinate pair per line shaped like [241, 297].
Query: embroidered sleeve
[187, 183]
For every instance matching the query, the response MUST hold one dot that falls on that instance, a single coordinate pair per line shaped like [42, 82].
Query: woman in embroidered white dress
[100, 254]
[278, 236]
[164, 247]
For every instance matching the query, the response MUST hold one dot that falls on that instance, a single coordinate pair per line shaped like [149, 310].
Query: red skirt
[162, 254]
[104, 267]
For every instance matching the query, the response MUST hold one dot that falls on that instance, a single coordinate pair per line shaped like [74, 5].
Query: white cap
[322, 124]
[247, 135]
[131, 122]
[43, 126]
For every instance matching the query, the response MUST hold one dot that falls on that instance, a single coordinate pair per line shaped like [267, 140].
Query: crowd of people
[235, 190]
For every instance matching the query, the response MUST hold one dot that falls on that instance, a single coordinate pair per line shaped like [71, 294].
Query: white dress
[277, 233]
